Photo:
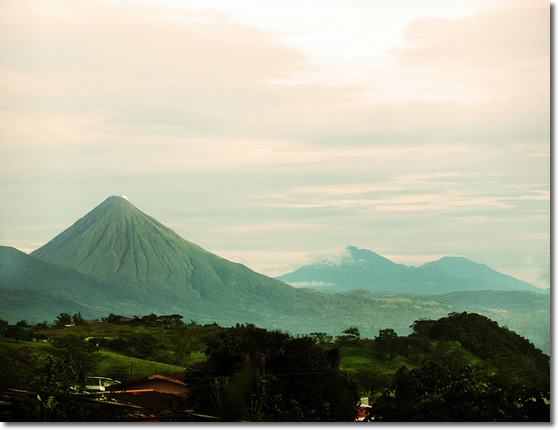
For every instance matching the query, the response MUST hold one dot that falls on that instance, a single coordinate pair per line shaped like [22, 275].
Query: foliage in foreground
[252, 374]
[463, 367]
[432, 393]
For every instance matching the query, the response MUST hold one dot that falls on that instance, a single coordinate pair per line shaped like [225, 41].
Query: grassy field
[96, 329]
[124, 368]
[38, 347]
[354, 358]
[110, 363]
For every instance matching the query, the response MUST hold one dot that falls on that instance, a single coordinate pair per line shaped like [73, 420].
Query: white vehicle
[98, 383]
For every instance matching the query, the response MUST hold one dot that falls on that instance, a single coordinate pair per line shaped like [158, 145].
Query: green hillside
[109, 363]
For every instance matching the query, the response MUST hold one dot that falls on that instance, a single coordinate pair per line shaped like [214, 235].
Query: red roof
[158, 383]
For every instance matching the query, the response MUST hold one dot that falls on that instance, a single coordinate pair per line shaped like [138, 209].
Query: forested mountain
[361, 269]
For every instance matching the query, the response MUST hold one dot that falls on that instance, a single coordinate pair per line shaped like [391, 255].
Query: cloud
[329, 256]
[486, 39]
[124, 46]
[456, 180]
[311, 284]
[499, 53]
[121, 71]
[138, 66]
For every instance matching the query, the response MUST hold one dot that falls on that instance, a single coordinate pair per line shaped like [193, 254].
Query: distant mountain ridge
[361, 269]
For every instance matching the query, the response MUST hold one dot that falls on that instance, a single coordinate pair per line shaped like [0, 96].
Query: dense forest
[460, 368]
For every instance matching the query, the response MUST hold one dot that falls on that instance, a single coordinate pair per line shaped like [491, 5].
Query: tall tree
[387, 343]
[78, 356]
[258, 375]
[62, 320]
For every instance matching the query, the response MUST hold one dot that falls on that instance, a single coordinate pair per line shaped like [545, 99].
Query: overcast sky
[277, 132]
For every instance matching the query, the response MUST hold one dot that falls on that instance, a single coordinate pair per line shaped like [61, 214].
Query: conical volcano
[118, 240]
[118, 244]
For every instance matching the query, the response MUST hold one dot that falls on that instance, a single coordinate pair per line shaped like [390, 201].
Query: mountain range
[117, 259]
[361, 269]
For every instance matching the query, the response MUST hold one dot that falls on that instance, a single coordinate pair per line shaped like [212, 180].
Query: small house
[157, 391]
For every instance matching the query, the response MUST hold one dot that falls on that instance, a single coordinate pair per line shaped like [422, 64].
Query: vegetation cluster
[460, 368]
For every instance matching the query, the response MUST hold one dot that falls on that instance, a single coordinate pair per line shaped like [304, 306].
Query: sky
[275, 133]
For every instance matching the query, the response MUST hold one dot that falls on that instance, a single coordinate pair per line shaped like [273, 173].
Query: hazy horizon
[276, 133]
